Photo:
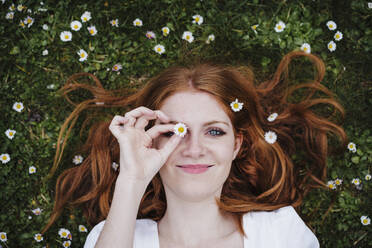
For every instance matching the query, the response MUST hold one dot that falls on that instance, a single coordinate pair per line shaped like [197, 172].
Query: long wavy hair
[263, 176]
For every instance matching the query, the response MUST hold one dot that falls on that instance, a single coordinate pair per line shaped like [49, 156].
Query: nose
[193, 146]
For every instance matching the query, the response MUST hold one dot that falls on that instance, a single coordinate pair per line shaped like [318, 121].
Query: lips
[195, 166]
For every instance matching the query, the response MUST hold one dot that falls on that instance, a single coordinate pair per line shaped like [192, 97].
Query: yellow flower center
[4, 157]
[21, 24]
[159, 49]
[279, 27]
[187, 37]
[85, 19]
[330, 26]
[115, 67]
[64, 234]
[330, 46]
[29, 21]
[236, 105]
[2, 236]
[331, 186]
[91, 31]
[11, 133]
[305, 49]
[82, 55]
[254, 27]
[66, 37]
[38, 237]
[76, 26]
[337, 36]
[18, 106]
[197, 19]
[114, 22]
[365, 221]
[181, 129]
[137, 23]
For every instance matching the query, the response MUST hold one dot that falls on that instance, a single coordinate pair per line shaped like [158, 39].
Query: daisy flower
[75, 25]
[236, 105]
[270, 137]
[365, 220]
[165, 31]
[137, 23]
[51, 86]
[115, 166]
[18, 106]
[338, 181]
[20, 7]
[9, 15]
[22, 24]
[78, 159]
[66, 243]
[159, 49]
[351, 146]
[82, 228]
[279, 27]
[331, 25]
[187, 35]
[355, 181]
[197, 19]
[83, 55]
[150, 35]
[254, 28]
[115, 23]
[331, 46]
[32, 170]
[45, 52]
[306, 48]
[338, 36]
[45, 27]
[3, 236]
[117, 67]
[66, 36]
[180, 129]
[272, 117]
[64, 233]
[10, 133]
[28, 21]
[86, 16]
[210, 38]
[37, 211]
[12, 7]
[38, 237]
[331, 184]
[92, 30]
[368, 177]
[5, 158]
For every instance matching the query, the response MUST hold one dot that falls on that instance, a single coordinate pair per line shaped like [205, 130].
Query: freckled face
[212, 144]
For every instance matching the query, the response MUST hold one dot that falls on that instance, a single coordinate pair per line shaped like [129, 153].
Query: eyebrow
[205, 124]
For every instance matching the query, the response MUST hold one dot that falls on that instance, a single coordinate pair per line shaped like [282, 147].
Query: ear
[238, 144]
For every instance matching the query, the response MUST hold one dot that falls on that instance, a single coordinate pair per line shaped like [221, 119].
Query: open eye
[216, 132]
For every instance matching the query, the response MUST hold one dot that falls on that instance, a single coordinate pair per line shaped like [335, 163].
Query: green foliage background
[334, 215]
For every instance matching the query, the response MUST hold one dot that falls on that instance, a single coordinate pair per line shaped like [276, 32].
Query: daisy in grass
[115, 166]
[45, 52]
[165, 31]
[64, 233]
[28, 21]
[66, 36]
[365, 220]
[159, 49]
[75, 25]
[331, 185]
[38, 237]
[45, 27]
[21, 7]
[83, 55]
[10, 133]
[338, 181]
[3, 236]
[32, 170]
[331, 25]
[86, 16]
[18, 106]
[12, 7]
[115, 23]
[92, 30]
[254, 28]
[150, 35]
[180, 129]
[66, 243]
[279, 27]
[331, 46]
[272, 117]
[9, 15]
[117, 67]
[351, 146]
[367, 177]
[198, 19]
[355, 181]
[338, 36]
[137, 23]
[236, 105]
[78, 159]
[22, 24]
[5, 158]
[82, 228]
[270, 137]
[37, 211]
[187, 35]
[306, 48]
[210, 38]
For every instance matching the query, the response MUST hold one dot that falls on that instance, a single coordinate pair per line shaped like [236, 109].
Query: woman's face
[208, 144]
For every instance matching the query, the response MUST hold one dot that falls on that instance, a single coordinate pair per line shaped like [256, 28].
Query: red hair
[262, 177]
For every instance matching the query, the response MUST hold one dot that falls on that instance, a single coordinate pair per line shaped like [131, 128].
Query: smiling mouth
[194, 166]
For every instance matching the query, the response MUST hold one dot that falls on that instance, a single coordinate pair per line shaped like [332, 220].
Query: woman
[222, 176]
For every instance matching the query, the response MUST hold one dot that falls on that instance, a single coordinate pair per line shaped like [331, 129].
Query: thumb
[169, 147]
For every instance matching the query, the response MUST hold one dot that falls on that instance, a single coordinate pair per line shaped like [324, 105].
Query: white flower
[197, 19]
[279, 27]
[66, 243]
[32, 170]
[137, 23]
[331, 184]
[66, 36]
[115, 23]
[338, 36]
[3, 236]
[29, 217]
[28, 21]
[83, 55]
[64, 233]
[78, 159]
[236, 105]
[368, 177]
[187, 35]
[92, 30]
[18, 106]
[37, 211]
[75, 25]
[51, 86]
[150, 35]
[38, 237]
[86, 16]
[331, 46]
[12, 7]
[355, 181]
[22, 24]
[45, 52]
[180, 129]
[254, 28]
[117, 67]
[115, 166]
[351, 146]
[365, 220]
[45, 27]
[331, 25]
[5, 158]
[165, 31]
[159, 49]
[306, 48]
[272, 117]
[210, 38]
[338, 181]
[10, 133]
[82, 228]
[20, 7]
[9, 15]
[270, 137]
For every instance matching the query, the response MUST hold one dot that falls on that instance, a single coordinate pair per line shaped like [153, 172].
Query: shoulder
[282, 226]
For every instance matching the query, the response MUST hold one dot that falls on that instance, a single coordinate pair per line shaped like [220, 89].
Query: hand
[138, 160]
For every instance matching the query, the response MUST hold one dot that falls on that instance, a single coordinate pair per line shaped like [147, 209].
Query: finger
[138, 112]
[117, 121]
[156, 130]
[169, 147]
[142, 122]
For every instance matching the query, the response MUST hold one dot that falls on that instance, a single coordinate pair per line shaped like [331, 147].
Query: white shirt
[281, 228]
